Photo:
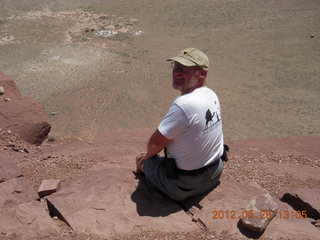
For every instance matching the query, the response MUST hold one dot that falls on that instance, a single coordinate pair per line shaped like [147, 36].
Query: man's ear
[202, 74]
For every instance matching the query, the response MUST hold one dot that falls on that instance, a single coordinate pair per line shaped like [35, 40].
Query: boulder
[34, 133]
[25, 117]
[259, 212]
[27, 221]
[111, 201]
[21, 114]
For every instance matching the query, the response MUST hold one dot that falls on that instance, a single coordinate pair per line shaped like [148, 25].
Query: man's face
[184, 78]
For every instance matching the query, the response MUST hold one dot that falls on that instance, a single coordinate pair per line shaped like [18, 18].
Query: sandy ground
[264, 61]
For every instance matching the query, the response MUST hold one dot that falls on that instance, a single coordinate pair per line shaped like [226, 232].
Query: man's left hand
[139, 161]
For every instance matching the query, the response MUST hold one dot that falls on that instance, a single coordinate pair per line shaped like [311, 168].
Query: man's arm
[156, 143]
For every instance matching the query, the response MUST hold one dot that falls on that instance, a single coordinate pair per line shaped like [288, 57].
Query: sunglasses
[177, 67]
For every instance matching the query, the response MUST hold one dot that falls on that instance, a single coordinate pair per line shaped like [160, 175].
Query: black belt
[198, 171]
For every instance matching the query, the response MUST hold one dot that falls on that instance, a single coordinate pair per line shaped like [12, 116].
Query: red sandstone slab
[27, 221]
[300, 172]
[220, 209]
[229, 200]
[293, 227]
[306, 198]
[112, 201]
[8, 169]
[16, 191]
[297, 146]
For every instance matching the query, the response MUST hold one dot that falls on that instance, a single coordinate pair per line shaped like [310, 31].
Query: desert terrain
[264, 61]
[99, 70]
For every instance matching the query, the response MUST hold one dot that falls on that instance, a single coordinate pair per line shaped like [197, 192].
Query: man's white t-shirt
[194, 125]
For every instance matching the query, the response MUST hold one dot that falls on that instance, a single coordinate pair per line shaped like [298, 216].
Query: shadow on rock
[153, 203]
[248, 233]
[192, 202]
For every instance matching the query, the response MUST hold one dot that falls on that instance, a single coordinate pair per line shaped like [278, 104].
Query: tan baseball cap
[192, 57]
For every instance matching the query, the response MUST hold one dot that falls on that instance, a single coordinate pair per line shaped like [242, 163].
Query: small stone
[51, 138]
[9, 132]
[55, 218]
[311, 36]
[7, 99]
[53, 113]
[1, 90]
[48, 187]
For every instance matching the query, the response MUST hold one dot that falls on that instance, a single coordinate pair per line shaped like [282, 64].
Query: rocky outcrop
[110, 200]
[22, 216]
[22, 114]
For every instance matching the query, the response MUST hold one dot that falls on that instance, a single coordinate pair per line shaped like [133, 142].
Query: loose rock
[259, 212]
[48, 187]
[1, 90]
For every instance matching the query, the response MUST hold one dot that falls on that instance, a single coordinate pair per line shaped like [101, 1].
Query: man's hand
[139, 161]
[156, 143]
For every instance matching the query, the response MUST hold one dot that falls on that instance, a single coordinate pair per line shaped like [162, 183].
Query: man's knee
[177, 196]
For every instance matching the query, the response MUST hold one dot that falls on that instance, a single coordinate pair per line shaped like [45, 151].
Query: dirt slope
[264, 61]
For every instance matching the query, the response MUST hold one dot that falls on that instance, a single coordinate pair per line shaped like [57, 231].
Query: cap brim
[183, 61]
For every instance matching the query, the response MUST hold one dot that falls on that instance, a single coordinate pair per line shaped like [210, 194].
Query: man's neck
[189, 90]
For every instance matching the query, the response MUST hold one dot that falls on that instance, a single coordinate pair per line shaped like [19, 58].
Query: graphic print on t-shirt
[211, 119]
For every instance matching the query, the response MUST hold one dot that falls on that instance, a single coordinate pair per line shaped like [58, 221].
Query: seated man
[191, 131]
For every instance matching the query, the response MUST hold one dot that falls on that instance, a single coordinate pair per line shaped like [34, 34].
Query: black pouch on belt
[171, 166]
[224, 157]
